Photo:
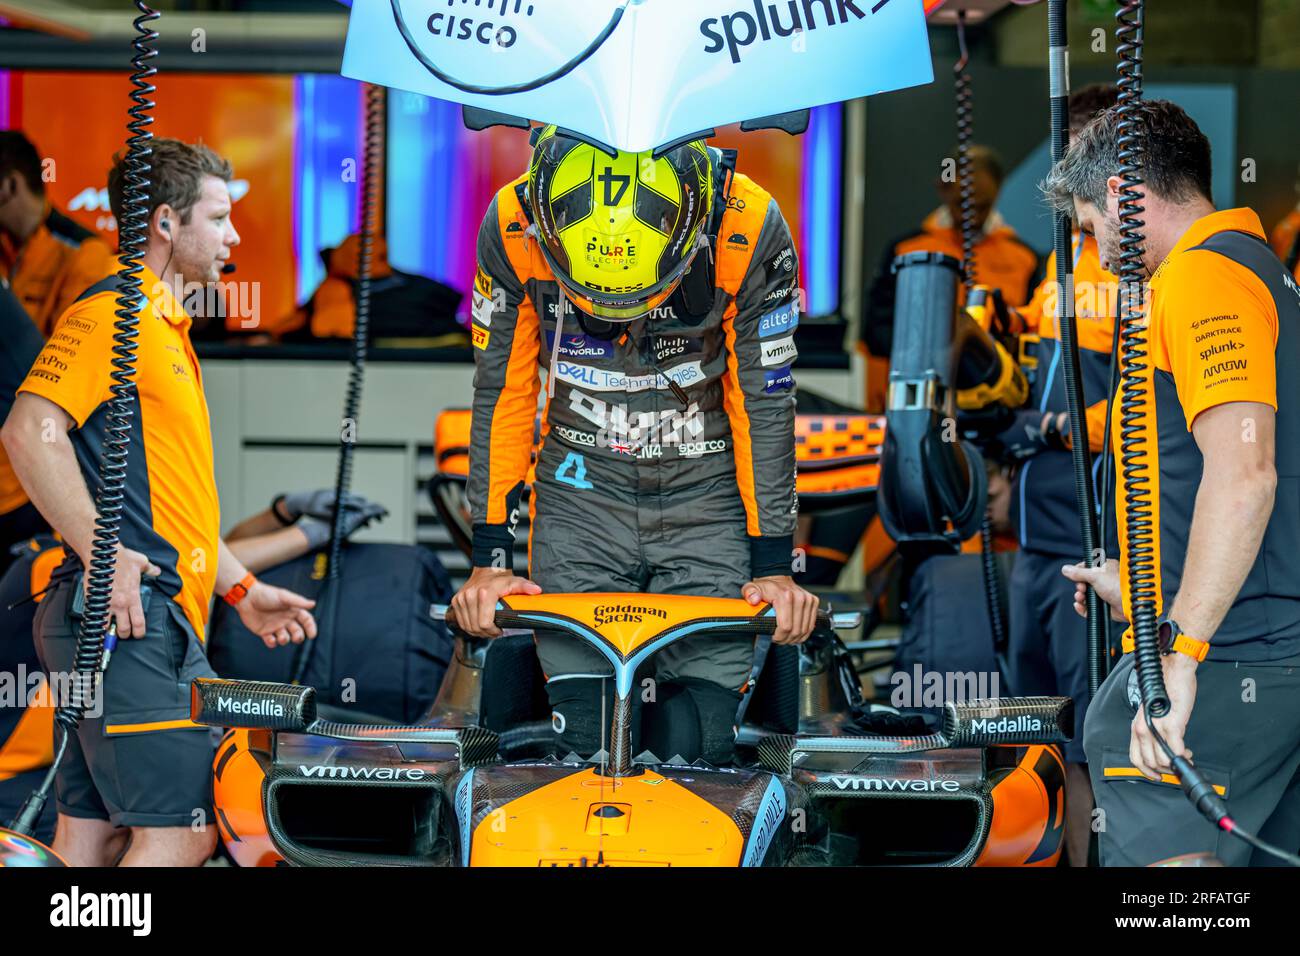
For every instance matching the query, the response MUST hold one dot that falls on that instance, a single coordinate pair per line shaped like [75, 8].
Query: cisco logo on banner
[478, 23]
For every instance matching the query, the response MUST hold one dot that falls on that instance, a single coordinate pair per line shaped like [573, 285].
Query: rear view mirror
[258, 705]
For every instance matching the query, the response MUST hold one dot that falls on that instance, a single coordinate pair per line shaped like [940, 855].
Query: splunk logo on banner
[486, 21]
[769, 22]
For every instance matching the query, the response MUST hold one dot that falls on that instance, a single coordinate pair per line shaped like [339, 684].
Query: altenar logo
[737, 30]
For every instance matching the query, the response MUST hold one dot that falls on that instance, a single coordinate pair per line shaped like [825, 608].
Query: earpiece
[166, 225]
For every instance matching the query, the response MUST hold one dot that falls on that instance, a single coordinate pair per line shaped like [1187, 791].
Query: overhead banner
[638, 74]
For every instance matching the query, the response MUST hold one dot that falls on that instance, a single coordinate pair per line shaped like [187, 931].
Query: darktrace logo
[454, 24]
[735, 31]
[630, 613]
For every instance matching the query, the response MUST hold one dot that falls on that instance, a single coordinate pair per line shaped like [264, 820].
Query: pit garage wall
[275, 428]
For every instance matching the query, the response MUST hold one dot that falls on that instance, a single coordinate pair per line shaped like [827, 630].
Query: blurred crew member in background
[47, 260]
[1286, 240]
[1047, 644]
[20, 343]
[1002, 261]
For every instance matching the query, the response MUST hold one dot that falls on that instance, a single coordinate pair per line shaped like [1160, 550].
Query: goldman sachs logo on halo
[774, 21]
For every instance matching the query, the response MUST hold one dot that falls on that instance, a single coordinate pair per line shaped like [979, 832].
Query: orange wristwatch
[240, 590]
[1172, 640]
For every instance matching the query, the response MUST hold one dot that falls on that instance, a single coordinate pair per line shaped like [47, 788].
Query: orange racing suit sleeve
[759, 392]
[506, 337]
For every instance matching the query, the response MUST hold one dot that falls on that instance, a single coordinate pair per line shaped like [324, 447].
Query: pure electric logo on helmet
[451, 26]
[737, 30]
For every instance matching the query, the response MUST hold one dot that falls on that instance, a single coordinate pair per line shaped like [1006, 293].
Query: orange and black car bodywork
[476, 785]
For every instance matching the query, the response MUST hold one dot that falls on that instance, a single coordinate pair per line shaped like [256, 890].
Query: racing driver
[658, 291]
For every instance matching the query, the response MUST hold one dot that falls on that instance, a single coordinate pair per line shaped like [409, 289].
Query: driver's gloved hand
[320, 504]
[354, 519]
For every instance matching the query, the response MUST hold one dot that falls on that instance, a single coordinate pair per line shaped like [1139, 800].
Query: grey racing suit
[640, 486]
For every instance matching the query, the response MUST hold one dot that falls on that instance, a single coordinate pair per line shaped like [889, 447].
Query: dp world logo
[449, 38]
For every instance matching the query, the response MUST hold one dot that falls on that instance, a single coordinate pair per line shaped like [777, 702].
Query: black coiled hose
[132, 239]
[1135, 368]
[1068, 331]
[376, 114]
[965, 170]
[966, 178]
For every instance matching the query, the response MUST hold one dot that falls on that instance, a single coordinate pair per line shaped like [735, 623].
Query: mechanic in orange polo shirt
[1002, 261]
[137, 777]
[1221, 433]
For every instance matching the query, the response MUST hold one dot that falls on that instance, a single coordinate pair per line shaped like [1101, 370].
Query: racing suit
[666, 462]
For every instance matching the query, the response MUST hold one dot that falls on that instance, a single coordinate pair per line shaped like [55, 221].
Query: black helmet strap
[699, 284]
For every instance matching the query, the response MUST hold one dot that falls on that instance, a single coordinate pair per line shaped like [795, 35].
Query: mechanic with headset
[1222, 441]
[659, 293]
[141, 771]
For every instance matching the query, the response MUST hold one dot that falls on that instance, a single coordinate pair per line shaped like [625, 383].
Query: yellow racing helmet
[619, 230]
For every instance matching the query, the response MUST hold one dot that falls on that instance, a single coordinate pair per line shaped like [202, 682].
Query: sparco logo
[767, 23]
[249, 708]
[694, 449]
[363, 773]
[575, 436]
[615, 613]
[1006, 725]
[881, 784]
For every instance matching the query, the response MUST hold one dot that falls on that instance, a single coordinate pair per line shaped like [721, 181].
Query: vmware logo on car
[363, 773]
[886, 784]
[735, 31]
